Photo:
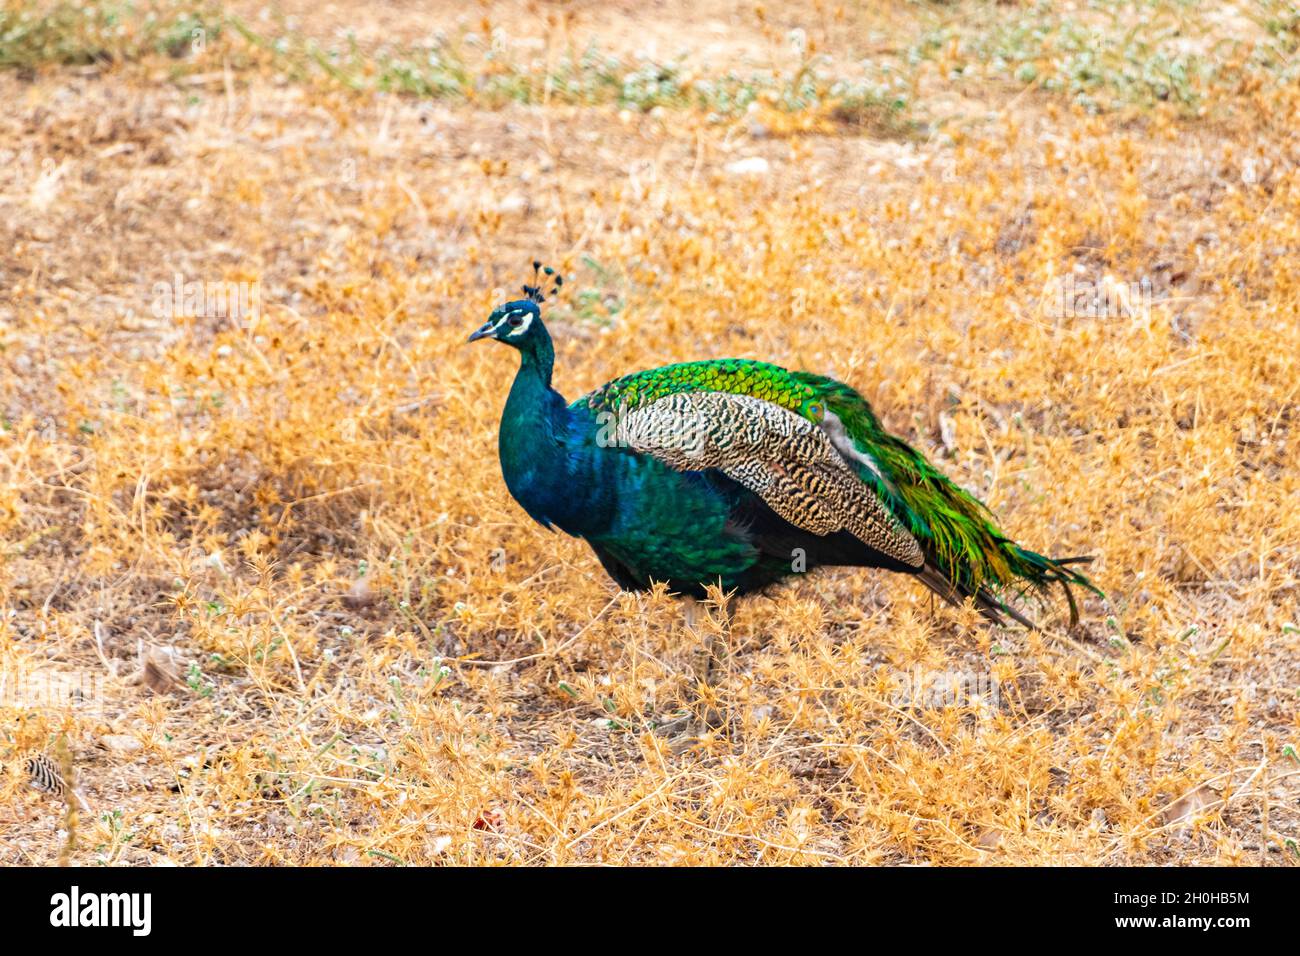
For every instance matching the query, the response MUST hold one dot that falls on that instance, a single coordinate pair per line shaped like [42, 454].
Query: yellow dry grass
[379, 659]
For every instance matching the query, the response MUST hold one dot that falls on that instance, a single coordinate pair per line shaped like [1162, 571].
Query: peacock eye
[515, 320]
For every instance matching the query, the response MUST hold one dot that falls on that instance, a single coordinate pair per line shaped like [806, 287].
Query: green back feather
[736, 376]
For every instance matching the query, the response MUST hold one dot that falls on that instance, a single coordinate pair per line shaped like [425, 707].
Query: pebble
[753, 166]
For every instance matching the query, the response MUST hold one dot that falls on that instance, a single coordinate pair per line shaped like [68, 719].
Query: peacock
[739, 473]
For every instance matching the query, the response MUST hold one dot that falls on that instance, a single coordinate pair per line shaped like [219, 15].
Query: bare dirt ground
[267, 600]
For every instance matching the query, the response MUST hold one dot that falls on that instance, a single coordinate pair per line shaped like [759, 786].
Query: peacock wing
[787, 460]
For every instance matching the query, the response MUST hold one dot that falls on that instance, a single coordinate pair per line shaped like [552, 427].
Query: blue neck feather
[535, 436]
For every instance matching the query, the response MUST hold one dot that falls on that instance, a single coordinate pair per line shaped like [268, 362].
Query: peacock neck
[538, 357]
[534, 432]
[532, 406]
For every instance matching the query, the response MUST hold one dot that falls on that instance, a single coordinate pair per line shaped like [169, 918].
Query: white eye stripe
[505, 319]
[523, 326]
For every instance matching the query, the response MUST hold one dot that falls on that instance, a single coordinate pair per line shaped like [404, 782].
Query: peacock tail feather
[956, 530]
[952, 538]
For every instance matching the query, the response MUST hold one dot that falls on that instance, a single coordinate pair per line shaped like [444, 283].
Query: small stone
[513, 203]
[359, 595]
[753, 166]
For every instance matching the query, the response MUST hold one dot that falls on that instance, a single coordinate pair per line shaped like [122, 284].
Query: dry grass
[278, 557]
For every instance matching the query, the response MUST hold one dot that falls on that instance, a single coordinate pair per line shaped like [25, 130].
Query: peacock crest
[534, 292]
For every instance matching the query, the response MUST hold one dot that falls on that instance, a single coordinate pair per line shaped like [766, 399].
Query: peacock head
[519, 323]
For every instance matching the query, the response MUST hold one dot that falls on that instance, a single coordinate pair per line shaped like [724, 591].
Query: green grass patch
[73, 34]
[1106, 54]
[469, 68]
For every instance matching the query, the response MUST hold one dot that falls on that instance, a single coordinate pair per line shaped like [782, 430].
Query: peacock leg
[701, 643]
[707, 646]
[712, 641]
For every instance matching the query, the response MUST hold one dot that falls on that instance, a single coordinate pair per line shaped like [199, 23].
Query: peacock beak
[483, 332]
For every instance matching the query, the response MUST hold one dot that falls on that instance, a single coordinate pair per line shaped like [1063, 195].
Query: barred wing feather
[787, 460]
